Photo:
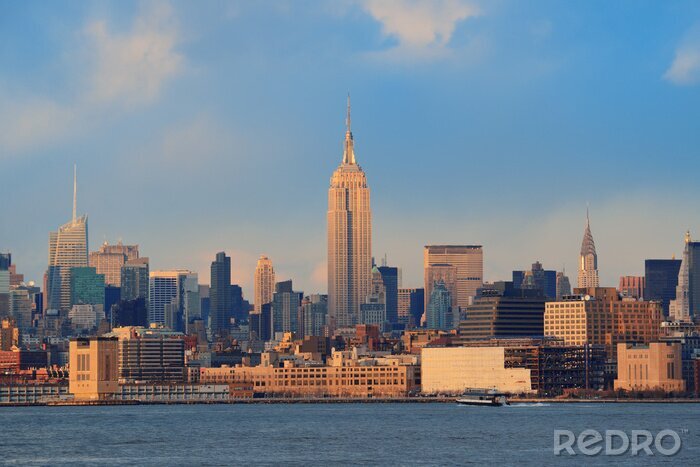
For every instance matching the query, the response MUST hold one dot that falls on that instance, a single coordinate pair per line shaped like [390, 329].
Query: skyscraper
[264, 282]
[68, 248]
[390, 278]
[660, 280]
[134, 279]
[439, 312]
[109, 259]
[411, 306]
[285, 308]
[349, 237]
[588, 262]
[537, 278]
[220, 294]
[680, 308]
[563, 285]
[468, 261]
[173, 298]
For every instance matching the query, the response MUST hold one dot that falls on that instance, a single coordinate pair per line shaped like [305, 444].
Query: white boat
[485, 397]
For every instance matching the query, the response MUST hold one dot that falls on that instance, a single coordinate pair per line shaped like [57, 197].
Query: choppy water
[323, 434]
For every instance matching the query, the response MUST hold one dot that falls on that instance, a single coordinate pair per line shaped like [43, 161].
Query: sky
[200, 127]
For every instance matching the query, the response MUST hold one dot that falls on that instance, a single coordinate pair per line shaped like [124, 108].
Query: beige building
[349, 238]
[600, 316]
[264, 282]
[346, 375]
[109, 259]
[93, 368]
[451, 370]
[649, 367]
[468, 261]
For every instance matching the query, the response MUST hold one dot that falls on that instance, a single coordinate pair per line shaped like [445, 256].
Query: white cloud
[422, 29]
[122, 71]
[685, 69]
[132, 67]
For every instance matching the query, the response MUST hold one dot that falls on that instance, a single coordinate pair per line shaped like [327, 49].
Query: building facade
[654, 366]
[468, 263]
[264, 282]
[660, 280]
[93, 368]
[220, 299]
[588, 260]
[440, 314]
[349, 238]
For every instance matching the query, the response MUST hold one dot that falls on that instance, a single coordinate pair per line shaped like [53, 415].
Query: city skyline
[429, 122]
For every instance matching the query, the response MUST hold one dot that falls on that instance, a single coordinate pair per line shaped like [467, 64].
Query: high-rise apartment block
[220, 303]
[349, 238]
[468, 264]
[264, 282]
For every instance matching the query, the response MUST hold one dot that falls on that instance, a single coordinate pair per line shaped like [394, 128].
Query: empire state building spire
[349, 238]
[348, 151]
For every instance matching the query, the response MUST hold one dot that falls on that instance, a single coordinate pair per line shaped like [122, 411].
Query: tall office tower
[588, 262]
[694, 277]
[68, 248]
[468, 261]
[21, 308]
[264, 282]
[169, 296]
[411, 305]
[87, 287]
[109, 259]
[631, 286]
[285, 308]
[679, 308]
[563, 285]
[373, 310]
[445, 273]
[390, 278]
[537, 278]
[314, 310]
[5, 261]
[439, 312]
[349, 238]
[220, 294]
[134, 279]
[660, 280]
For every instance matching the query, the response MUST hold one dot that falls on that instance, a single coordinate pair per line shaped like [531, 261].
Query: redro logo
[617, 442]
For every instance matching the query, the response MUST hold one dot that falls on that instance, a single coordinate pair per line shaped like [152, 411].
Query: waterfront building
[264, 282]
[68, 248]
[660, 280]
[349, 238]
[451, 370]
[87, 287]
[285, 308]
[440, 314]
[537, 278]
[220, 299]
[598, 316]
[110, 259]
[500, 314]
[649, 367]
[346, 375]
[150, 355]
[468, 263]
[411, 303]
[551, 366]
[93, 368]
[134, 279]
[588, 259]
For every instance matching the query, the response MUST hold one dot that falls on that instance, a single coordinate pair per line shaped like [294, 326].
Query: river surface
[332, 434]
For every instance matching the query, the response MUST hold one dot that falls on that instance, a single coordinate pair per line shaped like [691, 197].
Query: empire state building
[349, 238]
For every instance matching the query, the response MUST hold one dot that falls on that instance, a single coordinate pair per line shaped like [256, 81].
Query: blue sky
[206, 126]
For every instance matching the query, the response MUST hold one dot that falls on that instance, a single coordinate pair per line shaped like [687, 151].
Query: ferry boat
[487, 397]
